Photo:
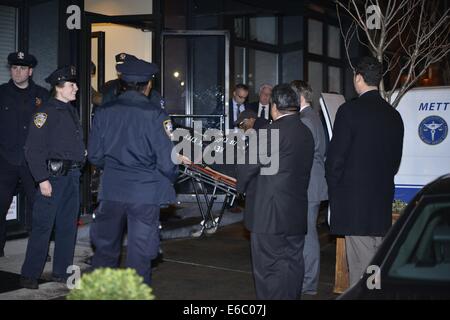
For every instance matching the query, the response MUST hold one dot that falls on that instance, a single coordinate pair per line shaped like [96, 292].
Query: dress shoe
[28, 283]
[157, 261]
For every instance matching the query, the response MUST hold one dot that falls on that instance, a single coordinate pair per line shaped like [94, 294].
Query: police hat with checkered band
[21, 58]
[67, 73]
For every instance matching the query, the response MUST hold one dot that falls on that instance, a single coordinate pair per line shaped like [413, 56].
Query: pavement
[211, 267]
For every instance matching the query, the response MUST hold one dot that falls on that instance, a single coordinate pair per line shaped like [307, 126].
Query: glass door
[195, 77]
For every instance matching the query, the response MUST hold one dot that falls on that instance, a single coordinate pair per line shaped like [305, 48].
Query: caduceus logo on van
[433, 130]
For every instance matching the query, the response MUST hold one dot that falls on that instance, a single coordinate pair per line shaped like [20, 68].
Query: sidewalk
[216, 266]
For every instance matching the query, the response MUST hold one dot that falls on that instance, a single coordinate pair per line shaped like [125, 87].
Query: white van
[426, 146]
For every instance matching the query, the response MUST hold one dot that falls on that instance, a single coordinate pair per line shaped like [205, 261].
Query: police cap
[21, 58]
[122, 57]
[67, 73]
[137, 70]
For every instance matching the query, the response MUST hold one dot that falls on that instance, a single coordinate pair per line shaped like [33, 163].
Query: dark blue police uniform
[111, 89]
[55, 152]
[129, 142]
[16, 108]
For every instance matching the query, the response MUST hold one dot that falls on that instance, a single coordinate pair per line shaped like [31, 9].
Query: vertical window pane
[43, 38]
[263, 68]
[315, 36]
[239, 53]
[239, 30]
[292, 29]
[315, 75]
[334, 42]
[292, 66]
[208, 76]
[8, 38]
[175, 71]
[334, 80]
[264, 30]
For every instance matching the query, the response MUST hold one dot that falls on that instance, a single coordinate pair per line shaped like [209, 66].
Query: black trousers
[278, 265]
[10, 175]
[142, 222]
[60, 211]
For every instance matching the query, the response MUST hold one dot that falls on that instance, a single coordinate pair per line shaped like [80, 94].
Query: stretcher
[202, 176]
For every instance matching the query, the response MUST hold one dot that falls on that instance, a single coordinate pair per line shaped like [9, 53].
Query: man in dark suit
[261, 107]
[237, 104]
[277, 202]
[317, 190]
[363, 157]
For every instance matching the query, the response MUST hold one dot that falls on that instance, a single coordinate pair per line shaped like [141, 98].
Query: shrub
[398, 206]
[111, 284]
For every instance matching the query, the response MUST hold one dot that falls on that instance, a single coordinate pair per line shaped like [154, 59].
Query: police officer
[113, 88]
[19, 99]
[55, 153]
[129, 141]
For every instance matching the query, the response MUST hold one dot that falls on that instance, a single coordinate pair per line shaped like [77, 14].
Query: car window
[423, 252]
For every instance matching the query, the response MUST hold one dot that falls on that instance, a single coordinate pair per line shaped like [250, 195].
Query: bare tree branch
[426, 40]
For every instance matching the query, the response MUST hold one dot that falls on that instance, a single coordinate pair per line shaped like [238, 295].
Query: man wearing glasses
[237, 104]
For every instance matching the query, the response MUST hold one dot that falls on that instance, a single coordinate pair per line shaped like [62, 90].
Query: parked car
[414, 259]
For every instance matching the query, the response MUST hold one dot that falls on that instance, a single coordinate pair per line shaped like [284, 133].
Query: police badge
[39, 119]
[168, 127]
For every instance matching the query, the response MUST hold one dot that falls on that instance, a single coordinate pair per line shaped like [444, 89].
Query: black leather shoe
[157, 261]
[28, 283]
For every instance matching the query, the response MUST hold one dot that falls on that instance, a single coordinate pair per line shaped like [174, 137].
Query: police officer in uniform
[55, 153]
[129, 141]
[112, 89]
[19, 99]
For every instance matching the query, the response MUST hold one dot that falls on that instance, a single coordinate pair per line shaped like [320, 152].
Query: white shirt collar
[285, 115]
[305, 106]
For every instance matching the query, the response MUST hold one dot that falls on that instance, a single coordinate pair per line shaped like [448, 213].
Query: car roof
[439, 186]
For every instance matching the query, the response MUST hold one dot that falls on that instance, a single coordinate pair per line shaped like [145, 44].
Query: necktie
[238, 110]
[263, 111]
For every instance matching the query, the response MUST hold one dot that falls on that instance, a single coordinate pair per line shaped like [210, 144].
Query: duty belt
[57, 167]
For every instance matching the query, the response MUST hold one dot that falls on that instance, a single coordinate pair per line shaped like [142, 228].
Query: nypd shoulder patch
[168, 127]
[39, 119]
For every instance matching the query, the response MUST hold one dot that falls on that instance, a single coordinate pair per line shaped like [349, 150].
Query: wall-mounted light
[176, 74]
[182, 83]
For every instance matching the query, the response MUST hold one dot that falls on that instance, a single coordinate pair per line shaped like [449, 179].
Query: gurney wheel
[211, 230]
[197, 234]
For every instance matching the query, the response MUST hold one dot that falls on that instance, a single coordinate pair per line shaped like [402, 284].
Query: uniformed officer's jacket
[16, 108]
[128, 140]
[55, 133]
